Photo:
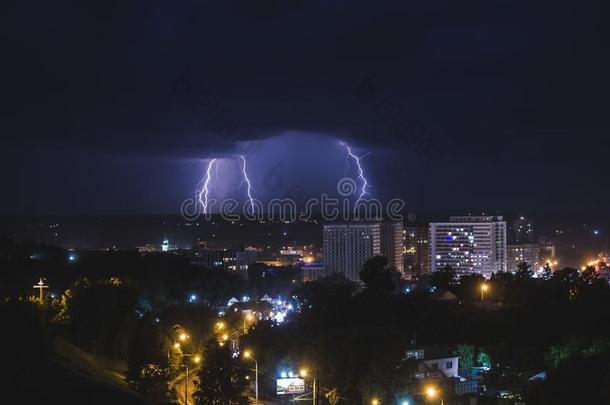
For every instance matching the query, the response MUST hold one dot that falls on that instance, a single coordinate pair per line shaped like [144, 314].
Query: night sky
[114, 106]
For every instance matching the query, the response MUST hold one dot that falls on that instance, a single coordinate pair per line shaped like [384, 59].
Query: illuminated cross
[40, 287]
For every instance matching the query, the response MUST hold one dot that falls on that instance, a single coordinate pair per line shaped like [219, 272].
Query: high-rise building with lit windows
[522, 231]
[416, 250]
[469, 244]
[392, 244]
[347, 246]
[525, 252]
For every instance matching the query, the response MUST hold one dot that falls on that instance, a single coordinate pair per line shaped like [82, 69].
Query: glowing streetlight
[224, 338]
[248, 318]
[375, 401]
[432, 393]
[176, 345]
[195, 358]
[248, 355]
[484, 288]
[304, 373]
[183, 337]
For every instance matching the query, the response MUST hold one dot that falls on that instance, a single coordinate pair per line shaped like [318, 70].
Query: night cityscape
[278, 202]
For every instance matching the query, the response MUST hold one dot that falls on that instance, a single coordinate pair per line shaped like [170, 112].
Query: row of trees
[160, 279]
[520, 288]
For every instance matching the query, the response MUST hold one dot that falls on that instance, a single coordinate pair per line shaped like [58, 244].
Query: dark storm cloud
[490, 83]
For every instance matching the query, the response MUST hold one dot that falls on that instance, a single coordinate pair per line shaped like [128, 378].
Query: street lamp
[375, 401]
[314, 395]
[183, 337]
[484, 288]
[248, 355]
[176, 346]
[224, 338]
[196, 359]
[248, 318]
[432, 392]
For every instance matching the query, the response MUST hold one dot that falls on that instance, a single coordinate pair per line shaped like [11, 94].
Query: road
[178, 384]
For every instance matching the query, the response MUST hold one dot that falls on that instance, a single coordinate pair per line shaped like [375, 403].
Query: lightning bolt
[247, 180]
[365, 183]
[203, 194]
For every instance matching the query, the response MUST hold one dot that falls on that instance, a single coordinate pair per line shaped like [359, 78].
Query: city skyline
[267, 202]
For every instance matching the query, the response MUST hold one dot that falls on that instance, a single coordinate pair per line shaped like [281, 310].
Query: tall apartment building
[392, 244]
[469, 244]
[521, 231]
[347, 246]
[416, 250]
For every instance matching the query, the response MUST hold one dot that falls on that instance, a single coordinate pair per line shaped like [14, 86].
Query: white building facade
[469, 244]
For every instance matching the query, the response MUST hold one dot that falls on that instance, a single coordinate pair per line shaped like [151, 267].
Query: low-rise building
[430, 365]
[233, 259]
[312, 271]
[448, 366]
